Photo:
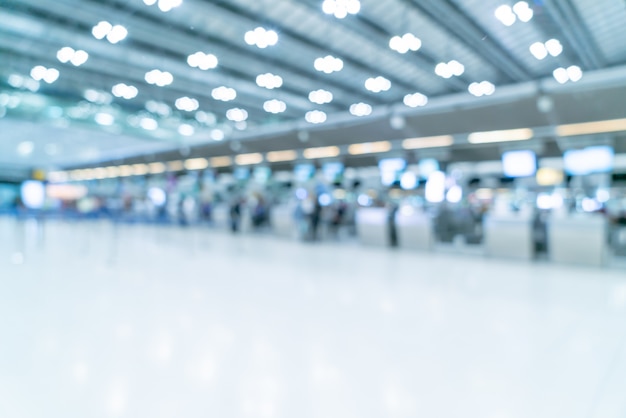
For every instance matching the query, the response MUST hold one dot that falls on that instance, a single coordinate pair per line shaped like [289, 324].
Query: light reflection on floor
[99, 320]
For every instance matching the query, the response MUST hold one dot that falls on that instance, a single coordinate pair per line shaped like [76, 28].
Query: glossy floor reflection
[98, 320]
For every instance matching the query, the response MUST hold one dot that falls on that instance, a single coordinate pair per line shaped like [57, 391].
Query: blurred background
[427, 155]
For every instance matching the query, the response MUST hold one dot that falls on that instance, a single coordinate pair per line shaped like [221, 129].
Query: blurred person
[235, 214]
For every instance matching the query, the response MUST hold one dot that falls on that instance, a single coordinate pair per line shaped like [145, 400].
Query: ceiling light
[274, 106]
[148, 124]
[124, 91]
[25, 148]
[341, 8]
[187, 104]
[269, 81]
[428, 142]
[112, 171]
[159, 78]
[538, 50]
[554, 47]
[236, 114]
[76, 58]
[97, 96]
[156, 168]
[175, 165]
[500, 136]
[572, 73]
[280, 156]
[167, 5]
[159, 108]
[360, 109]
[321, 152]
[369, 147]
[590, 128]
[523, 11]
[484, 88]
[49, 75]
[149, 2]
[186, 129]
[328, 64]
[18, 81]
[196, 164]
[206, 117]
[320, 96]
[220, 161]
[249, 159]
[139, 169]
[415, 100]
[217, 135]
[505, 15]
[315, 116]
[449, 69]
[202, 61]
[405, 43]
[114, 34]
[224, 93]
[104, 119]
[377, 84]
[261, 37]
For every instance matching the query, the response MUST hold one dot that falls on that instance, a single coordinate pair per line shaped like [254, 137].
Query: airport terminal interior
[313, 208]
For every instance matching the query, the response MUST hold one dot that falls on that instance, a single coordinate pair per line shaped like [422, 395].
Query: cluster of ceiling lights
[328, 64]
[484, 88]
[415, 100]
[224, 94]
[572, 73]
[148, 124]
[97, 96]
[449, 69]
[315, 116]
[164, 5]
[159, 108]
[74, 57]
[187, 104]
[186, 129]
[274, 106]
[405, 43]
[320, 96]
[113, 34]
[360, 109]
[124, 91]
[17, 81]
[508, 15]
[261, 37]
[104, 119]
[269, 81]
[540, 50]
[236, 114]
[341, 8]
[377, 84]
[49, 75]
[159, 78]
[202, 61]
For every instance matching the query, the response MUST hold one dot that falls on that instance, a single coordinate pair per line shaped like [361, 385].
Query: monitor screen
[391, 169]
[596, 159]
[262, 174]
[427, 166]
[33, 194]
[304, 172]
[332, 171]
[241, 173]
[519, 163]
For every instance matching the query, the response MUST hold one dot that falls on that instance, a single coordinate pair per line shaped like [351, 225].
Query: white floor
[99, 320]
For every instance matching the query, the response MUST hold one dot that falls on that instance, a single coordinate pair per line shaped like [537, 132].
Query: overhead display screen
[519, 163]
[391, 170]
[596, 159]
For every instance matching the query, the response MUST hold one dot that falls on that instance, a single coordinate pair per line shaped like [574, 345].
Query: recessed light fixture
[261, 37]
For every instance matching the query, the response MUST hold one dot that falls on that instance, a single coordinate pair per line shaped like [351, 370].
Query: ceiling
[63, 126]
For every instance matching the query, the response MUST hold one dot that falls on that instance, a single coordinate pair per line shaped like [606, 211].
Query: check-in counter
[578, 239]
[372, 226]
[221, 216]
[282, 221]
[414, 229]
[509, 236]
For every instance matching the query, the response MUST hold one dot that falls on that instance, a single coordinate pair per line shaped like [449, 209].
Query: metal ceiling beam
[468, 32]
[225, 46]
[381, 36]
[573, 28]
[284, 30]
